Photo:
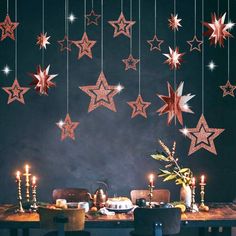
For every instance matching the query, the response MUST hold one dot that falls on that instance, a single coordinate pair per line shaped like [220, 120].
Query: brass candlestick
[202, 206]
[19, 198]
[34, 206]
[194, 207]
[27, 183]
[150, 194]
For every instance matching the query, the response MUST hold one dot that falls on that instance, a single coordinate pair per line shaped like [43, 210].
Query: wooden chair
[159, 195]
[156, 221]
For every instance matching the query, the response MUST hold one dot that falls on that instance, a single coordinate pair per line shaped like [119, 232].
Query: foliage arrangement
[172, 170]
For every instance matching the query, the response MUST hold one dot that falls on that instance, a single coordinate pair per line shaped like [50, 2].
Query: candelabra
[150, 194]
[34, 206]
[19, 198]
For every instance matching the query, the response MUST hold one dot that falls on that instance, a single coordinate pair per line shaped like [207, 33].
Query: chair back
[168, 218]
[159, 195]
[71, 194]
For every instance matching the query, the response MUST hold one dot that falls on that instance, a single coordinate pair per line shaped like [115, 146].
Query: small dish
[120, 210]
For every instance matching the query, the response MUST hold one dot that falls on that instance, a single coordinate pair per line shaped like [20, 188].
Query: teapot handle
[104, 184]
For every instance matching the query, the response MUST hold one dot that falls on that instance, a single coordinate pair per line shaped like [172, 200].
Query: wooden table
[220, 215]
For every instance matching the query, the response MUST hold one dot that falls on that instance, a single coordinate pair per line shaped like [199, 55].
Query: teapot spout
[90, 196]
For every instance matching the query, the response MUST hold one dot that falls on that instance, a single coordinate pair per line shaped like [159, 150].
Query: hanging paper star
[217, 30]
[85, 46]
[130, 62]
[155, 43]
[101, 94]
[121, 26]
[174, 22]
[8, 28]
[92, 18]
[42, 40]
[139, 107]
[202, 136]
[15, 92]
[174, 58]
[65, 44]
[195, 44]
[228, 89]
[42, 80]
[175, 103]
[67, 128]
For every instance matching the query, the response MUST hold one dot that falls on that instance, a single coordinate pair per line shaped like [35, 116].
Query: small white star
[119, 87]
[6, 70]
[211, 66]
[61, 123]
[184, 131]
[71, 18]
[230, 25]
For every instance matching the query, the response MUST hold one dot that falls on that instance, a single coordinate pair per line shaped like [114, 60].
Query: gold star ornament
[8, 27]
[130, 62]
[228, 89]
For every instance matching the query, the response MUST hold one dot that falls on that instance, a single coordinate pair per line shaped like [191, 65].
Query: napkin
[104, 211]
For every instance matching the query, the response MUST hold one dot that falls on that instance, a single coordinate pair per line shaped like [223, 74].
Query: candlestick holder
[34, 206]
[19, 198]
[150, 194]
[194, 207]
[202, 206]
[27, 186]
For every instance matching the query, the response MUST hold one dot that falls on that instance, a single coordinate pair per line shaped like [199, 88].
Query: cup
[141, 202]
[84, 205]
[61, 203]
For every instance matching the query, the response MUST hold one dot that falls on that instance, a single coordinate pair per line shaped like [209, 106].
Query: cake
[119, 203]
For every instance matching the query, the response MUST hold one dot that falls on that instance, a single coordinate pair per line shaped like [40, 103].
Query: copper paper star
[65, 44]
[42, 40]
[8, 28]
[101, 94]
[174, 22]
[217, 30]
[195, 44]
[228, 89]
[67, 128]
[92, 18]
[130, 62]
[202, 136]
[15, 92]
[121, 26]
[85, 46]
[139, 107]
[42, 80]
[174, 58]
[175, 103]
[155, 43]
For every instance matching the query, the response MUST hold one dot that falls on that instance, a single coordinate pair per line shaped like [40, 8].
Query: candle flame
[202, 179]
[27, 169]
[18, 175]
[34, 180]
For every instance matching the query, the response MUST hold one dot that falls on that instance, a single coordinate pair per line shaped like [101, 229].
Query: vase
[186, 195]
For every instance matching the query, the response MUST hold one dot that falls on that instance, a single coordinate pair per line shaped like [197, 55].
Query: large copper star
[15, 92]
[217, 30]
[65, 44]
[130, 62]
[174, 58]
[85, 46]
[8, 28]
[195, 44]
[139, 107]
[174, 22]
[228, 89]
[42, 80]
[67, 128]
[175, 103]
[92, 18]
[202, 136]
[42, 40]
[101, 94]
[155, 43]
[121, 26]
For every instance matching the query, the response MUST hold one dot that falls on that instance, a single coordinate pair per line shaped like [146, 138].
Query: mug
[84, 205]
[141, 202]
[62, 203]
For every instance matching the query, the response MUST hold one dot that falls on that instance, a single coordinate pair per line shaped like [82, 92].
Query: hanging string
[195, 17]
[155, 12]
[228, 41]
[139, 48]
[203, 59]
[43, 15]
[175, 68]
[16, 49]
[7, 7]
[218, 8]
[67, 57]
[84, 15]
[101, 35]
[131, 31]
[92, 4]
[121, 5]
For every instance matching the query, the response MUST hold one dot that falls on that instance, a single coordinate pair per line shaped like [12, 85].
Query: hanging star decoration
[174, 58]
[42, 40]
[8, 27]
[217, 30]
[174, 22]
[65, 44]
[228, 89]
[202, 136]
[85, 46]
[195, 44]
[42, 80]
[139, 107]
[92, 18]
[101, 94]
[67, 128]
[175, 103]
[15, 92]
[155, 43]
[121, 26]
[130, 62]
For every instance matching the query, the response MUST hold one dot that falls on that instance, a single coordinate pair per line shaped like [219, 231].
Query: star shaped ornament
[217, 30]
[174, 58]
[195, 44]
[101, 94]
[42, 40]
[67, 128]
[228, 89]
[65, 44]
[175, 103]
[139, 107]
[92, 18]
[174, 22]
[155, 43]
[42, 80]
[15, 92]
[8, 27]
[121, 26]
[202, 136]
[130, 62]
[85, 46]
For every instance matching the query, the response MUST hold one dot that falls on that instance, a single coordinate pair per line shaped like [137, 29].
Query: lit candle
[18, 175]
[202, 179]
[151, 180]
[193, 181]
[34, 181]
[27, 169]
